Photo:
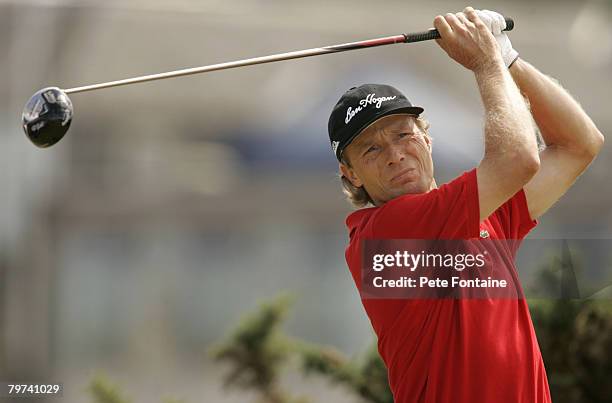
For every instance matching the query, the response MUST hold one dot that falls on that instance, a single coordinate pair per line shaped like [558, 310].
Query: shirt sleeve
[513, 217]
[448, 212]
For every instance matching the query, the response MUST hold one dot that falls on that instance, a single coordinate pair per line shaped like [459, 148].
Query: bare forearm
[561, 120]
[508, 127]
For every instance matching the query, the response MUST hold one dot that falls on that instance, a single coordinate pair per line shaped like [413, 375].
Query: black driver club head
[47, 116]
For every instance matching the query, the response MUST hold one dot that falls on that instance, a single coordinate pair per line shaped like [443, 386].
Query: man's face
[390, 158]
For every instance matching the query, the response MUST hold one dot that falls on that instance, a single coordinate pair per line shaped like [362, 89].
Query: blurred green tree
[257, 350]
[574, 334]
[104, 391]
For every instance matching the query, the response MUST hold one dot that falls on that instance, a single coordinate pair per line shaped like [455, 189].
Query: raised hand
[467, 40]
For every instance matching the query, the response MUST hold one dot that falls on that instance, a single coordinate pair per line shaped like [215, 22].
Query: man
[460, 350]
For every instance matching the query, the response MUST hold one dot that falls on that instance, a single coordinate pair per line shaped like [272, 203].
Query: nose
[395, 155]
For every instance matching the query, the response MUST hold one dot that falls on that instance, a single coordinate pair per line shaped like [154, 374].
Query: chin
[413, 188]
[404, 190]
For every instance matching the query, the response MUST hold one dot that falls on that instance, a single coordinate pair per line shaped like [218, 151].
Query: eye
[371, 149]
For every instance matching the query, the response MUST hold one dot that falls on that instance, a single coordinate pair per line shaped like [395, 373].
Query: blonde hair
[358, 196]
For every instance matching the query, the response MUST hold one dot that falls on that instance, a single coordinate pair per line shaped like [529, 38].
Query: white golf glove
[496, 23]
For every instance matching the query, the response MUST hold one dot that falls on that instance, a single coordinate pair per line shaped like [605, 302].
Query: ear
[349, 173]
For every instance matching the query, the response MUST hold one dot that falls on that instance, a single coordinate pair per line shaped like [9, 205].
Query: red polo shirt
[451, 350]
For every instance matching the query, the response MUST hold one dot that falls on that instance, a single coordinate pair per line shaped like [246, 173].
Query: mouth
[402, 176]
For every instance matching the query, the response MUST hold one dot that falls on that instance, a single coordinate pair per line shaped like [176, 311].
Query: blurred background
[171, 208]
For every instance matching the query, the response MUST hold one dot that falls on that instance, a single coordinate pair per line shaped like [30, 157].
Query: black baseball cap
[359, 107]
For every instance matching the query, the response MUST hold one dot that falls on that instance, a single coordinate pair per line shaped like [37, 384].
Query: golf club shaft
[388, 40]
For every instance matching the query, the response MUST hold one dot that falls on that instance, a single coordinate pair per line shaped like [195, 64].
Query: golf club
[48, 113]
